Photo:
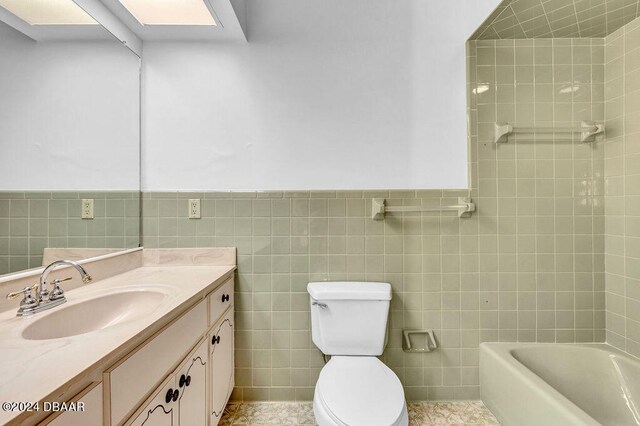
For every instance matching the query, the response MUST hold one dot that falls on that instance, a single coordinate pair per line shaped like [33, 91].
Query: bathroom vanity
[151, 345]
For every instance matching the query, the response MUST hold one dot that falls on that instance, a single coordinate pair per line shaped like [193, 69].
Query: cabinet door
[161, 408]
[221, 365]
[192, 383]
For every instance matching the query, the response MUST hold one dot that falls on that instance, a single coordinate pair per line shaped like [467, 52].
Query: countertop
[42, 370]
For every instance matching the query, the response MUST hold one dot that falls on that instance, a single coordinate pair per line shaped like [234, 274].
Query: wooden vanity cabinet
[189, 391]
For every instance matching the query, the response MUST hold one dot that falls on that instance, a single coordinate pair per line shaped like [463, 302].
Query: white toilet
[349, 322]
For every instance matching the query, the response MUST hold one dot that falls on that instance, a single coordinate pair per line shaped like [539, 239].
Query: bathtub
[559, 384]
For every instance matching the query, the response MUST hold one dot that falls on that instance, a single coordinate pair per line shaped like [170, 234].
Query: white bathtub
[559, 384]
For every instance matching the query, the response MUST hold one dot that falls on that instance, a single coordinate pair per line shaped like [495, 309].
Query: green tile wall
[548, 190]
[31, 221]
[528, 266]
[622, 171]
[535, 19]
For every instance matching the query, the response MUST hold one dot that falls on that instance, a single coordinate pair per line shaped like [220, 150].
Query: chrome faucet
[46, 299]
[43, 293]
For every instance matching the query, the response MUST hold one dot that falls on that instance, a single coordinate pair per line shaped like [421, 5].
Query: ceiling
[525, 19]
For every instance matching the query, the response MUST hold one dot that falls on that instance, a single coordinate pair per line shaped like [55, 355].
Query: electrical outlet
[194, 208]
[87, 208]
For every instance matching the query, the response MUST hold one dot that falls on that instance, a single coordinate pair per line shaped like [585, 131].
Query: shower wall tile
[546, 190]
[622, 183]
[536, 19]
[31, 221]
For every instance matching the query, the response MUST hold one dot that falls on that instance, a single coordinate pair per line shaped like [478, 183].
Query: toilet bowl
[359, 391]
[349, 322]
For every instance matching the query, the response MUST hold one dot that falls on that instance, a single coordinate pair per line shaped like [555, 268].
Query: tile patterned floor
[301, 413]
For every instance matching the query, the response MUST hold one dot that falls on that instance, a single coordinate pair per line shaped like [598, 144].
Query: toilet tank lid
[349, 290]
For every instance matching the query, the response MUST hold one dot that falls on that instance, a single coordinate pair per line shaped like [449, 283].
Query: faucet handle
[28, 300]
[61, 280]
[25, 291]
[57, 292]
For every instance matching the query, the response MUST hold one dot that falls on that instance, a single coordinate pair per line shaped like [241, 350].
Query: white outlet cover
[87, 208]
[194, 208]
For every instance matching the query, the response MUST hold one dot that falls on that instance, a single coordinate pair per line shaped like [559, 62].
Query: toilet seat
[357, 391]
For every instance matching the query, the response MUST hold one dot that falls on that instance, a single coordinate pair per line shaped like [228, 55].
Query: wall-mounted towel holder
[588, 130]
[379, 209]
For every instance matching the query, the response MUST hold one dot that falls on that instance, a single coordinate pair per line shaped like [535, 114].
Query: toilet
[349, 322]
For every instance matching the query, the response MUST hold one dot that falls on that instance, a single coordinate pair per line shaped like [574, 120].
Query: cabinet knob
[188, 382]
[183, 380]
[215, 339]
[225, 298]
[169, 396]
[176, 393]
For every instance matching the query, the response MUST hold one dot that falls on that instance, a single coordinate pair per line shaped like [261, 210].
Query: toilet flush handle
[321, 305]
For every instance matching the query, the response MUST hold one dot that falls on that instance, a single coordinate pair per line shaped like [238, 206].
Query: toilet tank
[349, 318]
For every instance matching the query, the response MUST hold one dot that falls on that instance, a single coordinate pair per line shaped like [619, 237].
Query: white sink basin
[94, 314]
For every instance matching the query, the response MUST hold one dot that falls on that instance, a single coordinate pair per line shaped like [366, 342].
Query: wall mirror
[69, 136]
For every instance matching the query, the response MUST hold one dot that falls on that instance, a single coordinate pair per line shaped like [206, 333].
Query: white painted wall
[328, 94]
[69, 115]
